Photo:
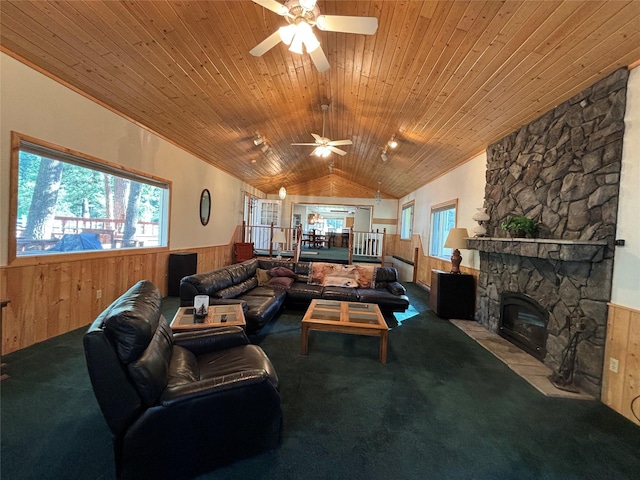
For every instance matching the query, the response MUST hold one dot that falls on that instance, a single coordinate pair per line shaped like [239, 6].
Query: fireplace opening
[523, 322]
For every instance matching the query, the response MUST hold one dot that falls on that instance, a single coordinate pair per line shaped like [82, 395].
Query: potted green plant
[520, 226]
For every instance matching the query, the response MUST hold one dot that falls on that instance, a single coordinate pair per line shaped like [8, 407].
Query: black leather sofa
[178, 405]
[239, 283]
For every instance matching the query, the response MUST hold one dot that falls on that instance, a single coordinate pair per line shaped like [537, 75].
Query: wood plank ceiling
[446, 77]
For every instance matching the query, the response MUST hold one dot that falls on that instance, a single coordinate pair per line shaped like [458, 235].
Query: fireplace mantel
[546, 248]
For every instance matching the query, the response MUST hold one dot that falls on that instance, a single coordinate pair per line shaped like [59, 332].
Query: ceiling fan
[323, 145]
[302, 16]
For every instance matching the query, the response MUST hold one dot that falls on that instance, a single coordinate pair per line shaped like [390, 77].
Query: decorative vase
[481, 216]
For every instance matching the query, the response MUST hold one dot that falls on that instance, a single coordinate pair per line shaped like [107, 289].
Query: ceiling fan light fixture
[322, 151]
[308, 5]
[311, 43]
[303, 35]
[287, 33]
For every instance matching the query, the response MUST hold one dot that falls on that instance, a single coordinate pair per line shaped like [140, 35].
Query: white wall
[626, 267]
[35, 105]
[466, 183]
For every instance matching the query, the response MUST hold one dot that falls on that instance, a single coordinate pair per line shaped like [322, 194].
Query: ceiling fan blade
[318, 138]
[340, 142]
[274, 6]
[265, 45]
[345, 24]
[312, 144]
[320, 60]
[337, 150]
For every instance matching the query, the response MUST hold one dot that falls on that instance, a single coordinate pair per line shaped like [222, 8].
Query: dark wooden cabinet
[181, 264]
[452, 295]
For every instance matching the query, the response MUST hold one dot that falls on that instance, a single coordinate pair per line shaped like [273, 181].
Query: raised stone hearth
[563, 170]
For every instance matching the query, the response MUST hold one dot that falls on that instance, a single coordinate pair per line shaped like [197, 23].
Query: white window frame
[440, 225]
[406, 221]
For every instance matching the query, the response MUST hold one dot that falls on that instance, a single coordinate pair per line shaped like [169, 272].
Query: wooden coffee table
[345, 317]
[231, 314]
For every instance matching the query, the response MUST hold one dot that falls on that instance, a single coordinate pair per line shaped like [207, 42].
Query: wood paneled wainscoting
[621, 376]
[63, 294]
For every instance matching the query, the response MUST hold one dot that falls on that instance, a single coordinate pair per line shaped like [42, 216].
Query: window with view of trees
[68, 203]
[443, 219]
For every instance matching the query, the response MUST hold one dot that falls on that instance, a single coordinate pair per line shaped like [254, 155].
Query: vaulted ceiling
[446, 77]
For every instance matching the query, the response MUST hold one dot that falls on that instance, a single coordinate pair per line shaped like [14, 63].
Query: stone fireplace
[563, 170]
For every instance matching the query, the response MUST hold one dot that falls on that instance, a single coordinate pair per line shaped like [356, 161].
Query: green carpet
[441, 408]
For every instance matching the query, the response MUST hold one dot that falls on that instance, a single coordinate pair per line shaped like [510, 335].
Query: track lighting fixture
[258, 140]
[331, 166]
[384, 154]
[392, 143]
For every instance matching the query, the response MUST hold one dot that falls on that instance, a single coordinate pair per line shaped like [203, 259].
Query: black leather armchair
[178, 405]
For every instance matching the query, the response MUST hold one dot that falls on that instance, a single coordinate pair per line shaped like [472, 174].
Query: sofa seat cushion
[384, 298]
[342, 294]
[233, 361]
[264, 291]
[302, 291]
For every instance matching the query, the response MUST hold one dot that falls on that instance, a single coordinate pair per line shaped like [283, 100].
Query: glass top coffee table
[217, 316]
[345, 317]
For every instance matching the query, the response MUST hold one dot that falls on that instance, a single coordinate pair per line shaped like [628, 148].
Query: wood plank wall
[621, 390]
[54, 298]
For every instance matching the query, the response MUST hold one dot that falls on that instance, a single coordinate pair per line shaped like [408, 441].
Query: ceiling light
[392, 143]
[384, 157]
[378, 197]
[308, 5]
[258, 140]
[331, 167]
[287, 33]
[282, 193]
[322, 151]
[302, 34]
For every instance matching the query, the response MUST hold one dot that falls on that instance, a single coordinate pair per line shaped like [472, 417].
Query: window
[69, 203]
[443, 219]
[335, 224]
[406, 222]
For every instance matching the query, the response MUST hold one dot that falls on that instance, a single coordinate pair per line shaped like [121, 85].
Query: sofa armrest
[396, 288]
[211, 340]
[190, 391]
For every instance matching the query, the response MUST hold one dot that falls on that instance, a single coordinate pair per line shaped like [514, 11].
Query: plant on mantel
[519, 226]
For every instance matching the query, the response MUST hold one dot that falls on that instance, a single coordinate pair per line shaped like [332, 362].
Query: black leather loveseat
[262, 302]
[178, 405]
